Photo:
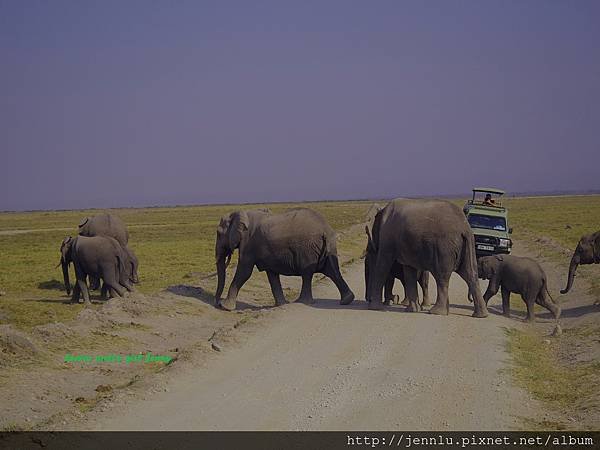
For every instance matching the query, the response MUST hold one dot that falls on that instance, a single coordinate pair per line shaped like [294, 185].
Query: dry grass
[170, 243]
[569, 387]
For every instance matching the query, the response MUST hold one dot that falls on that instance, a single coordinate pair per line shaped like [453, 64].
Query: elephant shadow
[52, 285]
[328, 303]
[578, 311]
[206, 297]
[56, 301]
[514, 314]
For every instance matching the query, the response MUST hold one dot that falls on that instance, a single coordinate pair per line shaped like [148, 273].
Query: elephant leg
[474, 295]
[242, 274]
[530, 302]
[410, 288]
[116, 289]
[306, 295]
[76, 293]
[332, 271]
[424, 282]
[505, 301]
[442, 303]
[82, 284]
[544, 301]
[388, 290]
[400, 276]
[94, 283]
[104, 291]
[127, 285]
[110, 279]
[85, 293]
[380, 273]
[275, 283]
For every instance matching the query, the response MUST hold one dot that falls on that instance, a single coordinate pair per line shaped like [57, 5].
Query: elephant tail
[468, 263]
[324, 251]
[547, 291]
[120, 268]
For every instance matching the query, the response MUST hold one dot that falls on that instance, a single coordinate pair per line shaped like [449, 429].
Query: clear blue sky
[131, 103]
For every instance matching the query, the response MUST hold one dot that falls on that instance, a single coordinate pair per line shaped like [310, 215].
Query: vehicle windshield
[487, 222]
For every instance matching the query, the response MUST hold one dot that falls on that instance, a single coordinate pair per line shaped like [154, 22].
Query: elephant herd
[409, 240]
[99, 252]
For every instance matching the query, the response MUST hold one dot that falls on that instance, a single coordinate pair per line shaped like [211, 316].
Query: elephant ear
[237, 228]
[485, 266]
[65, 246]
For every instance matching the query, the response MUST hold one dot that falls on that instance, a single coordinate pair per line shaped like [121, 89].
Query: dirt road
[328, 367]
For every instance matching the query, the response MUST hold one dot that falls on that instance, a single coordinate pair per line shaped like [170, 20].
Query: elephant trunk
[65, 269]
[222, 264]
[572, 269]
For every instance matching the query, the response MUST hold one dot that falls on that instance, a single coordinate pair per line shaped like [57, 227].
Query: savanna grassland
[175, 247]
[562, 372]
[171, 245]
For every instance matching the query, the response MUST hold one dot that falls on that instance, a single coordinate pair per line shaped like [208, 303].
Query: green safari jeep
[489, 222]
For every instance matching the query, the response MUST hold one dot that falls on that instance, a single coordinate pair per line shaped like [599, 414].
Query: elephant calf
[520, 275]
[95, 257]
[397, 272]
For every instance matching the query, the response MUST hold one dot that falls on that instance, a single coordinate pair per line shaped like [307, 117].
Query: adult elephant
[397, 272]
[431, 235]
[296, 242]
[586, 252]
[105, 225]
[112, 226]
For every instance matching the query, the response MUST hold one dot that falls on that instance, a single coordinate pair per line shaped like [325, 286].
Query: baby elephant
[520, 275]
[96, 257]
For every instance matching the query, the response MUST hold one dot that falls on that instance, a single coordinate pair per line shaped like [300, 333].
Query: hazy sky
[156, 102]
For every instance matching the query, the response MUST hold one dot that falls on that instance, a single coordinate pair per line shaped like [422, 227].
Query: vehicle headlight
[504, 242]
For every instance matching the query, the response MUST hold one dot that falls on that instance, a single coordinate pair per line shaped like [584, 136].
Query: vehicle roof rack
[490, 190]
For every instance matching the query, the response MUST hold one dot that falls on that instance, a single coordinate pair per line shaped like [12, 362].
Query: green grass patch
[170, 243]
[537, 369]
[564, 219]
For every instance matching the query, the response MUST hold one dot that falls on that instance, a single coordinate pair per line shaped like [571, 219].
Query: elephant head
[586, 252]
[65, 260]
[487, 266]
[231, 234]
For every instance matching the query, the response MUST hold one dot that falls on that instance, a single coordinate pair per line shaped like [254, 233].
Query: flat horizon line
[523, 194]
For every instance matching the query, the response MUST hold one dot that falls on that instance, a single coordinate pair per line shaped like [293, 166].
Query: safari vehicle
[489, 222]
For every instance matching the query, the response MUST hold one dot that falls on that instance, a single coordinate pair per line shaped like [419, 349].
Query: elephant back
[105, 225]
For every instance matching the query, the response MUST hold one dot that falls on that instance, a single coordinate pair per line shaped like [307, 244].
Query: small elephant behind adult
[519, 275]
[586, 252]
[131, 265]
[99, 257]
[396, 272]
